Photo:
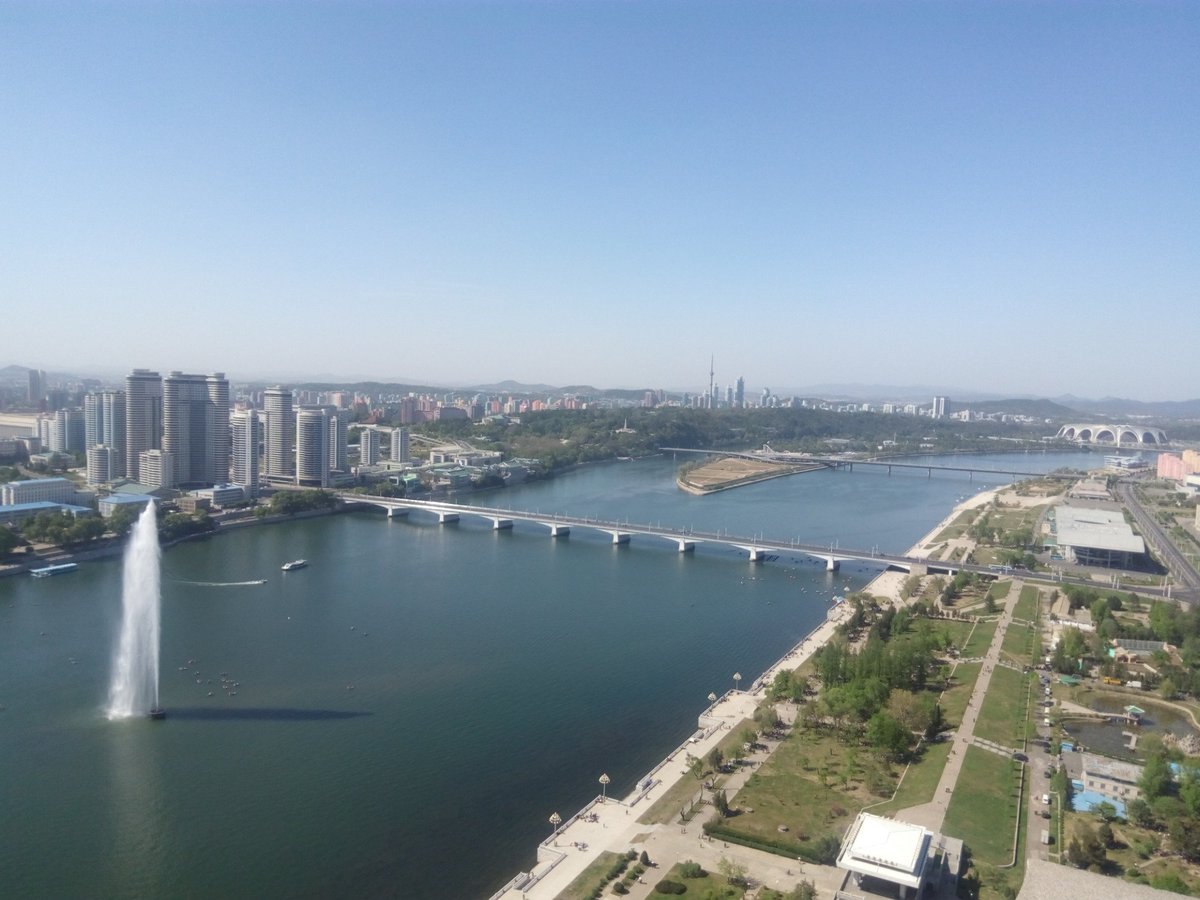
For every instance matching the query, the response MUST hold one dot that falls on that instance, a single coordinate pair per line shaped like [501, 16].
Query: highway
[1184, 572]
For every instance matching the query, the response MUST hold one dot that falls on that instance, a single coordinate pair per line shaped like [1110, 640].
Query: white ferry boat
[294, 564]
[60, 569]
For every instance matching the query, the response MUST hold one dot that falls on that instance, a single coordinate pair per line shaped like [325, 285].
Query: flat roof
[1103, 529]
[39, 505]
[1112, 769]
[886, 848]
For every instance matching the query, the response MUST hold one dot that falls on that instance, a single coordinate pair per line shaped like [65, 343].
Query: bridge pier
[757, 554]
[501, 524]
[397, 512]
[445, 518]
[620, 537]
[832, 564]
[686, 546]
[557, 531]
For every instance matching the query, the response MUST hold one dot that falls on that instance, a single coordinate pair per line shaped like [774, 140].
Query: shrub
[666, 886]
[645, 858]
[690, 869]
[619, 888]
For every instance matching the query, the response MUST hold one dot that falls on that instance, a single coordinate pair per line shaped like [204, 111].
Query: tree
[8, 540]
[888, 736]
[1156, 776]
[721, 802]
[1140, 813]
[695, 766]
[716, 759]
[805, 890]
[735, 872]
[1104, 834]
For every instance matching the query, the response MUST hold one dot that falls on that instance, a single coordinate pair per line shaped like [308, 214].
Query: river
[412, 707]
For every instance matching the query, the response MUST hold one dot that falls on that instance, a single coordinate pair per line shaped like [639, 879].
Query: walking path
[612, 825]
[933, 813]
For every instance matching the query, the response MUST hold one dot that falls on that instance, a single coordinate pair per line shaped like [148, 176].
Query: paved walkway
[933, 813]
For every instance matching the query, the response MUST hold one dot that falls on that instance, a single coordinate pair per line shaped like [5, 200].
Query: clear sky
[991, 196]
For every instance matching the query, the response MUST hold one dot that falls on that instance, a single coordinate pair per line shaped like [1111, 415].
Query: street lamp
[555, 820]
[604, 779]
[712, 698]
[737, 677]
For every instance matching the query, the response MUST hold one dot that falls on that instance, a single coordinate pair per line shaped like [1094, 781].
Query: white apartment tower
[279, 434]
[368, 447]
[196, 427]
[312, 446]
[143, 418]
[104, 424]
[400, 445]
[243, 464]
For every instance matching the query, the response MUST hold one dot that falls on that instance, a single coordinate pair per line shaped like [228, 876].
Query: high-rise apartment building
[37, 387]
[243, 466]
[143, 418]
[196, 427]
[312, 446]
[279, 434]
[156, 468]
[739, 393]
[400, 445]
[104, 423]
[939, 408]
[101, 463]
[368, 447]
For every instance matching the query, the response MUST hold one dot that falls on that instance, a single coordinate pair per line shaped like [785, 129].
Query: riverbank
[730, 472]
[614, 825]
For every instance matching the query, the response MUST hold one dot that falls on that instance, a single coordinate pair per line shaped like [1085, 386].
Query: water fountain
[134, 687]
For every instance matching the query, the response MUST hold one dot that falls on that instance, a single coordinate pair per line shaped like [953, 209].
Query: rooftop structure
[1096, 536]
[892, 851]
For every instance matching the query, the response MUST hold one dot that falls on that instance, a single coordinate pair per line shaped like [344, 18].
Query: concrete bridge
[757, 548]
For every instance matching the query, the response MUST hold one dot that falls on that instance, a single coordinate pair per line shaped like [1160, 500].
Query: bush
[619, 888]
[690, 869]
[666, 886]
[645, 858]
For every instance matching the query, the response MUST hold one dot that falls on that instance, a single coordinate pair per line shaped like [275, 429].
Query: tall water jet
[134, 687]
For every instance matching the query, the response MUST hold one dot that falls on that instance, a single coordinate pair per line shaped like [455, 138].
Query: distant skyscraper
[939, 408]
[243, 464]
[400, 445]
[739, 393]
[143, 418]
[368, 446]
[339, 421]
[196, 427]
[279, 434]
[37, 387]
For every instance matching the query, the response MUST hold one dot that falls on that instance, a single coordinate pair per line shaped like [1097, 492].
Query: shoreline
[555, 868]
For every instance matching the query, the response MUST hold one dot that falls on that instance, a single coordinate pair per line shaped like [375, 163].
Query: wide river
[400, 718]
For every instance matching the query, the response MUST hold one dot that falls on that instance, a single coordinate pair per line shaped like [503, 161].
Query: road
[1183, 570]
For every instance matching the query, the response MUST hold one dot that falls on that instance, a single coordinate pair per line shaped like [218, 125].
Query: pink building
[1171, 465]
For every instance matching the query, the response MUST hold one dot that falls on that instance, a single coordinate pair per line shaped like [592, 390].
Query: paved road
[1180, 567]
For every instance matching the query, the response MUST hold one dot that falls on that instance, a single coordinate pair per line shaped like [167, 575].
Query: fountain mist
[134, 687]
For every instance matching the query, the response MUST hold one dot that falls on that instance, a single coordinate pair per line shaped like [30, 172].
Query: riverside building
[196, 427]
[243, 467]
[279, 435]
[143, 417]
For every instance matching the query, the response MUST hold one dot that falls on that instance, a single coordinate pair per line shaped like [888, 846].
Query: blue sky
[990, 196]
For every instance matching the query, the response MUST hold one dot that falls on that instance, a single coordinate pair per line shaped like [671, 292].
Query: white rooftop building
[889, 850]
[1096, 536]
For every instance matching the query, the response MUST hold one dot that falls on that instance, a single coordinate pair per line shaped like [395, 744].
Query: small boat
[157, 712]
[294, 564]
[60, 569]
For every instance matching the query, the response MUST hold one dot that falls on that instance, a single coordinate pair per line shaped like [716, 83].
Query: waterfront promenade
[612, 825]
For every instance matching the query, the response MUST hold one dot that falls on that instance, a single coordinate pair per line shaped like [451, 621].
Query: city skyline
[993, 198]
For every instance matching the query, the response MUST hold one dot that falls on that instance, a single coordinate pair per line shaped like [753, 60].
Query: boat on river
[294, 564]
[60, 569]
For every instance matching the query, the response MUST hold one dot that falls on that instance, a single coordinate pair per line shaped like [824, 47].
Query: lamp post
[712, 698]
[604, 779]
[555, 821]
[737, 679]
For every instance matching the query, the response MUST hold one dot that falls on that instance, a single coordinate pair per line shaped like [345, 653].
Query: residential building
[312, 446]
[104, 423]
[400, 449]
[156, 468]
[243, 465]
[279, 435]
[368, 447]
[143, 418]
[196, 427]
[101, 464]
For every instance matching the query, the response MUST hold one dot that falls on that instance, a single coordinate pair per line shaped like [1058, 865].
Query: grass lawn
[709, 887]
[984, 808]
[1027, 604]
[954, 700]
[667, 807]
[590, 878]
[957, 629]
[1018, 644]
[920, 781]
[980, 639]
[1003, 716]
[958, 527]
[999, 590]
[787, 790]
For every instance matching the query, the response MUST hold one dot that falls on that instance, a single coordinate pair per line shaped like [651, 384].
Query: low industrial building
[19, 512]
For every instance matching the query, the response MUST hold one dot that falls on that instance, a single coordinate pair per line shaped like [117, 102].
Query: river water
[401, 718]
